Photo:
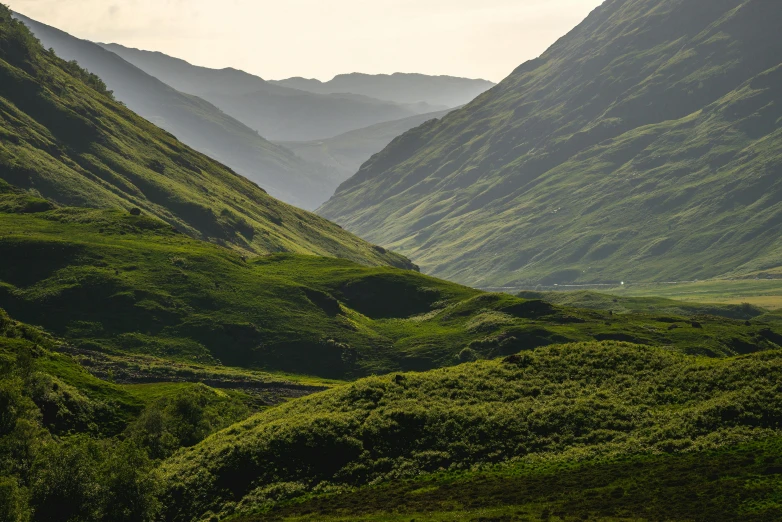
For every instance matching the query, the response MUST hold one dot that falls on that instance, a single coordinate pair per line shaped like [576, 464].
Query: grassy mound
[558, 404]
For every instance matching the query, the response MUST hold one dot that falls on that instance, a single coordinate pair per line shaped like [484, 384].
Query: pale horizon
[314, 39]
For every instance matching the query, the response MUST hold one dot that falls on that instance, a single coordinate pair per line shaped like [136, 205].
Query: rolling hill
[278, 113]
[65, 138]
[645, 145]
[196, 122]
[347, 152]
[610, 430]
[448, 91]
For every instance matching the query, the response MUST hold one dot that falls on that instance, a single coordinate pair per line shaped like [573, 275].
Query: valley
[566, 307]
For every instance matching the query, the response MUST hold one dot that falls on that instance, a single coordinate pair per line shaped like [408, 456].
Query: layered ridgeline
[64, 137]
[448, 91]
[347, 152]
[645, 145]
[197, 123]
[277, 112]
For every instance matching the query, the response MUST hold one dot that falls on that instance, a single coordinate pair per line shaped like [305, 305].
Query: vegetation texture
[646, 145]
[108, 281]
[65, 138]
[551, 409]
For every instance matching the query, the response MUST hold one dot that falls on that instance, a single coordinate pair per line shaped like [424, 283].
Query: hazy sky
[320, 38]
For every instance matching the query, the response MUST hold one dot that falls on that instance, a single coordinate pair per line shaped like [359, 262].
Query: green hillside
[557, 414]
[347, 152]
[643, 146]
[108, 281]
[66, 139]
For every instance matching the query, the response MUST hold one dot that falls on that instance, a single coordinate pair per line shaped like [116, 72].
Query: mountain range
[196, 122]
[447, 91]
[68, 140]
[277, 112]
[645, 145]
[347, 152]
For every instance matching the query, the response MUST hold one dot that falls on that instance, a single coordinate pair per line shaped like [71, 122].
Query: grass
[765, 293]
[110, 282]
[72, 143]
[644, 146]
[654, 487]
[628, 299]
[552, 409]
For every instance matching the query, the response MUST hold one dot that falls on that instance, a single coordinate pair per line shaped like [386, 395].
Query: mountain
[645, 145]
[278, 113]
[66, 139]
[347, 152]
[449, 91]
[196, 122]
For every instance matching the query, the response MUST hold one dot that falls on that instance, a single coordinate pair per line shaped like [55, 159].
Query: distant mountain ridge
[406, 88]
[645, 145]
[277, 112]
[196, 122]
[66, 139]
[347, 152]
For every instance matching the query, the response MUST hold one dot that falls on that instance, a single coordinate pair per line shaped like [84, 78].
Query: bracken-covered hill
[644, 145]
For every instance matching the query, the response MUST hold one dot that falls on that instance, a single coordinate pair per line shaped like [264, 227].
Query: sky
[277, 39]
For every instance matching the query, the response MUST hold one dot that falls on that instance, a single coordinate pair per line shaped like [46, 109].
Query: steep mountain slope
[449, 91]
[646, 145]
[549, 411]
[64, 137]
[347, 152]
[278, 113]
[196, 122]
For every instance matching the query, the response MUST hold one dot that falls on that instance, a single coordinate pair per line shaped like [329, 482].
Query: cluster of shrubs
[566, 401]
[57, 461]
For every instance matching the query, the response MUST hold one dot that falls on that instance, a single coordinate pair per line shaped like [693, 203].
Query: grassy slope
[73, 144]
[651, 304]
[278, 113]
[655, 487]
[551, 408]
[643, 146]
[347, 152]
[762, 292]
[109, 281]
[195, 122]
